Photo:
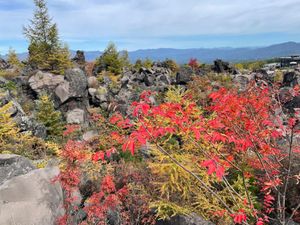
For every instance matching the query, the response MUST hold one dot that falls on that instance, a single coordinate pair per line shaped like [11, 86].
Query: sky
[148, 24]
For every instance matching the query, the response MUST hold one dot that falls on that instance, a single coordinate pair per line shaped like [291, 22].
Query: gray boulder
[184, 75]
[75, 116]
[93, 82]
[44, 81]
[184, 220]
[290, 79]
[31, 198]
[3, 64]
[242, 81]
[13, 165]
[78, 83]
[62, 91]
[79, 58]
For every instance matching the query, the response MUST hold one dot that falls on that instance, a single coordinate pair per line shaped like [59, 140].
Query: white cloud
[137, 19]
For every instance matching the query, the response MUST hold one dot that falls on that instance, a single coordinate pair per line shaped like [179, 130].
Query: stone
[62, 91]
[223, 67]
[92, 91]
[184, 75]
[26, 123]
[242, 82]
[79, 58]
[93, 82]
[293, 104]
[77, 83]
[89, 135]
[184, 220]
[31, 198]
[75, 116]
[164, 79]
[285, 94]
[44, 81]
[149, 80]
[13, 165]
[290, 79]
[3, 64]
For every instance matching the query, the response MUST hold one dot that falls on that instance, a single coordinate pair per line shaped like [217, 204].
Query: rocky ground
[28, 194]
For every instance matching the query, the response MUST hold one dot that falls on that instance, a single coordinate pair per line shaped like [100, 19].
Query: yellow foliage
[178, 192]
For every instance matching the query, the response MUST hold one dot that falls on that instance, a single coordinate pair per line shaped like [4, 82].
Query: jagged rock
[149, 80]
[79, 58]
[3, 64]
[13, 165]
[223, 67]
[75, 116]
[184, 220]
[93, 82]
[164, 79]
[3, 81]
[293, 104]
[31, 198]
[242, 81]
[285, 94]
[77, 82]
[92, 91]
[184, 75]
[290, 79]
[89, 135]
[62, 91]
[26, 123]
[44, 81]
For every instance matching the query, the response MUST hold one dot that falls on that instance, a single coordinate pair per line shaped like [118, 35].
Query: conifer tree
[46, 52]
[113, 61]
[12, 58]
[48, 116]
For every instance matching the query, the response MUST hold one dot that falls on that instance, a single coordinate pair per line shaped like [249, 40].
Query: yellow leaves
[175, 95]
[165, 210]
[8, 129]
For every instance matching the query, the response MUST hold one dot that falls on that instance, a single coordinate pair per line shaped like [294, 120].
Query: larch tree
[46, 51]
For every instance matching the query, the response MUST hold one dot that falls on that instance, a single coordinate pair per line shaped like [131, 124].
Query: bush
[48, 116]
[12, 141]
[147, 63]
[12, 58]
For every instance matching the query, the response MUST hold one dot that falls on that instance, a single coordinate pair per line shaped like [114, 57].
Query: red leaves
[98, 155]
[193, 63]
[213, 166]
[118, 120]
[129, 145]
[239, 217]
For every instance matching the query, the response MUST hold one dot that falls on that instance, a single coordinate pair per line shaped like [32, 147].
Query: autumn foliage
[220, 160]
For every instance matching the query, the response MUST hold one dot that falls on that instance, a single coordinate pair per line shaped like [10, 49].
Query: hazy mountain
[206, 55]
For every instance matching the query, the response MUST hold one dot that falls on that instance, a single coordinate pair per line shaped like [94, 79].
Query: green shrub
[48, 116]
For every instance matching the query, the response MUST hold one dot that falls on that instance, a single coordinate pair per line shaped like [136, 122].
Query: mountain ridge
[205, 55]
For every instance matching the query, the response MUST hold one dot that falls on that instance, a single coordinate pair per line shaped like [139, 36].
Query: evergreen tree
[45, 49]
[113, 61]
[48, 116]
[12, 58]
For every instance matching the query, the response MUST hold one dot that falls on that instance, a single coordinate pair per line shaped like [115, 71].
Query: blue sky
[144, 24]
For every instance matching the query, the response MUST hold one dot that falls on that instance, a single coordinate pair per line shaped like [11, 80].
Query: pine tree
[45, 49]
[113, 61]
[48, 116]
[12, 58]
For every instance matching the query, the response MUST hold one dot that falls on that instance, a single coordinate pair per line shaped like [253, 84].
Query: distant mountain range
[206, 55]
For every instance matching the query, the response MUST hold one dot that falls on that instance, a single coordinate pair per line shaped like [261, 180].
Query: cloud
[142, 20]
